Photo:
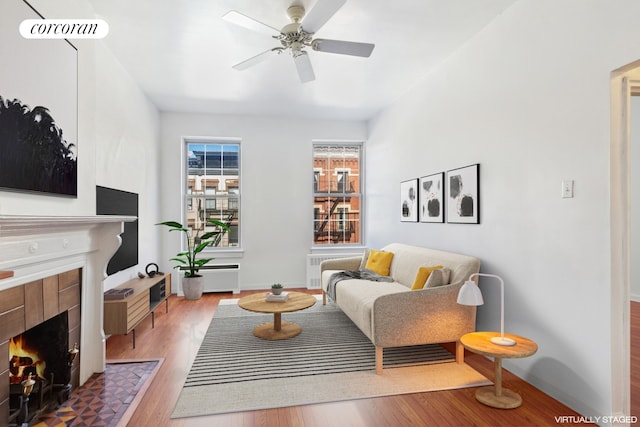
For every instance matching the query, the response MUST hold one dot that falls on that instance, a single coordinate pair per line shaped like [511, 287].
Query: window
[213, 187]
[337, 198]
[343, 181]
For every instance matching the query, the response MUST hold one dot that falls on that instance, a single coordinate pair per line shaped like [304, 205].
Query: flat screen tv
[110, 201]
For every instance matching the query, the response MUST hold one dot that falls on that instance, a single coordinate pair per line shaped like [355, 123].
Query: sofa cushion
[438, 277]
[379, 262]
[356, 297]
[424, 273]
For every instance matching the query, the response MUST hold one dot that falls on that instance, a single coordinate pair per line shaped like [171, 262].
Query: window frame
[360, 194]
[188, 195]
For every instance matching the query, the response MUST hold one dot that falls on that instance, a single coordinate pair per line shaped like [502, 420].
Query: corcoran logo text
[64, 28]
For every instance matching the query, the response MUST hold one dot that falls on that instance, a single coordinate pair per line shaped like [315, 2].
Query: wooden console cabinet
[123, 315]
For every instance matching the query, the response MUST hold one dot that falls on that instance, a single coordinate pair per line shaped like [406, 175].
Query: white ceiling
[181, 52]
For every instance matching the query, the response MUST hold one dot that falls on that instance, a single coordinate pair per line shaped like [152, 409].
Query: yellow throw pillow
[422, 276]
[379, 262]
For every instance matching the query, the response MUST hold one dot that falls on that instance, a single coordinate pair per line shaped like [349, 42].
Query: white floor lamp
[470, 294]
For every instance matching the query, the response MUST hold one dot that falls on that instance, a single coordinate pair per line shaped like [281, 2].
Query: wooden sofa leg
[459, 352]
[379, 352]
[324, 298]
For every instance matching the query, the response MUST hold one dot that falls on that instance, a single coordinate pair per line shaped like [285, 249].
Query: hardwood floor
[177, 336]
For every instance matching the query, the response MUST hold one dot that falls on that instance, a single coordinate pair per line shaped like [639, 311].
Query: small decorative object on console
[281, 297]
[152, 269]
[276, 289]
[113, 294]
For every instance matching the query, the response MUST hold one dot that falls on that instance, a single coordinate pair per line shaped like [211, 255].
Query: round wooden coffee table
[277, 330]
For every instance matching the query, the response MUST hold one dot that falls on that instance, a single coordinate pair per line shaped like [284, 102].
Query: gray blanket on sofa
[353, 274]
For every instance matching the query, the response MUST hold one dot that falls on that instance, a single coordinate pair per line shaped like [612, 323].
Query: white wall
[118, 132]
[276, 183]
[127, 157]
[528, 98]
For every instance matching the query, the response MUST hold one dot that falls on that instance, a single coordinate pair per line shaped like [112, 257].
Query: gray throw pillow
[365, 258]
[439, 277]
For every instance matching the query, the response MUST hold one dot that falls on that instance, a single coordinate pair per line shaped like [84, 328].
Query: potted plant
[192, 284]
[276, 288]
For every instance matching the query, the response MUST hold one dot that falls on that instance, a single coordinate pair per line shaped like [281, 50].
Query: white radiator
[221, 277]
[313, 267]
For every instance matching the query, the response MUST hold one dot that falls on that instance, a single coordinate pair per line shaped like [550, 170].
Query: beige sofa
[390, 314]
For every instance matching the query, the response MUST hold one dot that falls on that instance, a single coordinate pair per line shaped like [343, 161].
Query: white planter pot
[192, 287]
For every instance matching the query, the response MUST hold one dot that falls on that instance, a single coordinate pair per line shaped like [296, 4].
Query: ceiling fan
[298, 36]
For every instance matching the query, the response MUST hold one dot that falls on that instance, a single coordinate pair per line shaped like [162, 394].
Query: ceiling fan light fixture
[298, 35]
[296, 13]
[295, 38]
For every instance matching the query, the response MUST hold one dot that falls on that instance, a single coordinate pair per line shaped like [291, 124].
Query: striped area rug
[329, 343]
[330, 360]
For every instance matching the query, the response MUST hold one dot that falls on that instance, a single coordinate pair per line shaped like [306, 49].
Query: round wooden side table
[480, 343]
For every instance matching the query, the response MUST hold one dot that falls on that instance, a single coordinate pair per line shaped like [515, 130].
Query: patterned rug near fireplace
[108, 399]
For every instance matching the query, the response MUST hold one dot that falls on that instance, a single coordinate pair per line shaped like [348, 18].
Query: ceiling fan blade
[320, 14]
[343, 47]
[255, 59]
[250, 23]
[304, 67]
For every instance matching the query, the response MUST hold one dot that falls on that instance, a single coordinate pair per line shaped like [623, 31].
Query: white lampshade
[470, 294]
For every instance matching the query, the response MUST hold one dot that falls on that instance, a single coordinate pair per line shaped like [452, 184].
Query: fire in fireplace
[40, 364]
[24, 362]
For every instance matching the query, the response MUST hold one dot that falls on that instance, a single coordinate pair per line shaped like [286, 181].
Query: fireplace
[41, 351]
[39, 319]
[50, 267]
[41, 358]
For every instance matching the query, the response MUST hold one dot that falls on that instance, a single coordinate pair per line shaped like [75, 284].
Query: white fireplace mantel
[35, 247]
[27, 222]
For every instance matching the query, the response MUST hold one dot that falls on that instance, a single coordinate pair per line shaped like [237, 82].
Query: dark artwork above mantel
[35, 155]
[38, 109]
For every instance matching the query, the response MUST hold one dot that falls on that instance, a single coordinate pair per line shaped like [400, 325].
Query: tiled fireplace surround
[37, 247]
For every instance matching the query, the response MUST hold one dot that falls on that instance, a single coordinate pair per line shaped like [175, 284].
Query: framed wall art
[409, 200]
[431, 196]
[463, 195]
[38, 109]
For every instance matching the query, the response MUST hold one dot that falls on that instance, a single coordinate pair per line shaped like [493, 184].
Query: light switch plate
[567, 189]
